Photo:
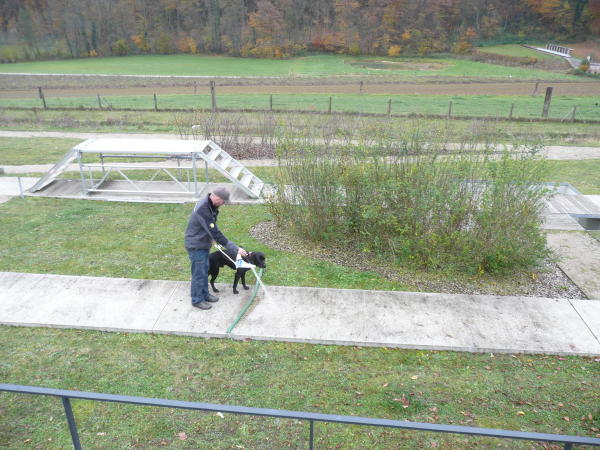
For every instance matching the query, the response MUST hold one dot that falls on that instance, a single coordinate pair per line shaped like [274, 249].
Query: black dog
[218, 260]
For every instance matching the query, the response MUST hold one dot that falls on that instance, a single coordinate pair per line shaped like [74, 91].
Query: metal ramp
[55, 171]
[186, 151]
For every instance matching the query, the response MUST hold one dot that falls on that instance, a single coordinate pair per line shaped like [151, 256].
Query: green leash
[248, 303]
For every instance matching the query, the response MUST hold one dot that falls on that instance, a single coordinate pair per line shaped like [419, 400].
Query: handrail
[66, 395]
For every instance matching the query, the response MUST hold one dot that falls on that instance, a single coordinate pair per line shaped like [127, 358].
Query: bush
[120, 48]
[403, 195]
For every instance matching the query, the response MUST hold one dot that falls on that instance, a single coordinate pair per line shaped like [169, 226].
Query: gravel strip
[548, 281]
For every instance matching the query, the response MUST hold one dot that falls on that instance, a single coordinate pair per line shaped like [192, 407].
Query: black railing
[66, 395]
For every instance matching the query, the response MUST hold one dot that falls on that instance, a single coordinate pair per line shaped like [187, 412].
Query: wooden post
[329, 105]
[213, 96]
[271, 102]
[390, 107]
[42, 97]
[535, 89]
[155, 103]
[512, 107]
[573, 113]
[360, 89]
[195, 87]
[99, 101]
[547, 101]
[450, 109]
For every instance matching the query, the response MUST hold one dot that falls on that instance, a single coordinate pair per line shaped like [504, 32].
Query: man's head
[219, 196]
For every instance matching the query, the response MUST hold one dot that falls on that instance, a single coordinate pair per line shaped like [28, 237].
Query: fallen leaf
[434, 409]
[220, 414]
[404, 401]
[560, 405]
[567, 418]
[414, 377]
[520, 413]
[594, 429]
[101, 433]
[182, 436]
[27, 440]
[386, 384]
[487, 367]
[560, 358]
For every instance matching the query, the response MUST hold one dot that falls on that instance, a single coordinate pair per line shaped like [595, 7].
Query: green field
[588, 108]
[518, 51]
[311, 66]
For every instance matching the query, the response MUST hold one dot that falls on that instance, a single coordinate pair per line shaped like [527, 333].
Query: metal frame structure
[190, 151]
[66, 395]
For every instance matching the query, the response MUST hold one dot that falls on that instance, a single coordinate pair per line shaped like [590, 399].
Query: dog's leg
[244, 280]
[214, 273]
[236, 278]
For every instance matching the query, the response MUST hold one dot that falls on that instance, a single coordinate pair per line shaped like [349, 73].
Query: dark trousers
[199, 260]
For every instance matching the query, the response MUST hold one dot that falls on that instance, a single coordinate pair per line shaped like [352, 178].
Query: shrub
[120, 48]
[164, 44]
[401, 194]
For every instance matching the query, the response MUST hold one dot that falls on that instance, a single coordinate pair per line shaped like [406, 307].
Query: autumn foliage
[282, 28]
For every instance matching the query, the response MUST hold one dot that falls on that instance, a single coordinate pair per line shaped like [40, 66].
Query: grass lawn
[517, 50]
[20, 151]
[520, 392]
[583, 174]
[475, 105]
[314, 65]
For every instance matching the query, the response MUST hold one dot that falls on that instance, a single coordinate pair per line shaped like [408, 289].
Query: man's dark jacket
[202, 228]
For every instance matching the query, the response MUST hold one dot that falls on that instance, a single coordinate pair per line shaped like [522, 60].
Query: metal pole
[194, 171]
[512, 107]
[83, 188]
[206, 170]
[311, 435]
[20, 188]
[71, 421]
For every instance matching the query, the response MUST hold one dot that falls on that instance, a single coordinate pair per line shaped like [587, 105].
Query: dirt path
[591, 88]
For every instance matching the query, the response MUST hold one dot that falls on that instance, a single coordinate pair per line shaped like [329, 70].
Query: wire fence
[559, 108]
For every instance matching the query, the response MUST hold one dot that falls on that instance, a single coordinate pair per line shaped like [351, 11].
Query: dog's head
[258, 259]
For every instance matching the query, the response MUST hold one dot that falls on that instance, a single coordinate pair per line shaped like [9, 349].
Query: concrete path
[579, 259]
[329, 316]
[552, 152]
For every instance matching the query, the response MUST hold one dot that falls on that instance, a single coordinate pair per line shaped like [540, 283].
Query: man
[200, 233]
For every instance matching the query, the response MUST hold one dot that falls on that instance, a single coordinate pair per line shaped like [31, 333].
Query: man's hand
[242, 252]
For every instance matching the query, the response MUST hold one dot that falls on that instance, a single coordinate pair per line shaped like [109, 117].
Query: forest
[43, 29]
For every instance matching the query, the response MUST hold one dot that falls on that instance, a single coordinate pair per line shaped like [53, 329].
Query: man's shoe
[201, 305]
[211, 298]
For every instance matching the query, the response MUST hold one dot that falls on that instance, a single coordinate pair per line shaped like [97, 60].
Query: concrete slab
[590, 313]
[82, 302]
[561, 222]
[329, 316]
[579, 258]
[10, 185]
[5, 198]
[419, 320]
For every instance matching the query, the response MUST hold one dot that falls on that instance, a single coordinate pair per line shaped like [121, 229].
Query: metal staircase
[233, 170]
[58, 168]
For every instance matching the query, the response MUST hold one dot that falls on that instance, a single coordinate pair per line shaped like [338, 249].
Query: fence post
[71, 421]
[389, 107]
[535, 89]
[573, 113]
[99, 101]
[311, 435]
[271, 102]
[213, 96]
[547, 101]
[42, 97]
[360, 88]
[329, 111]
[155, 103]
[512, 107]
[450, 109]
[195, 87]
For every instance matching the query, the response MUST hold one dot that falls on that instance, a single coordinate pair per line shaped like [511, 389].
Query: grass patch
[314, 65]
[165, 122]
[554, 394]
[80, 237]
[19, 151]
[474, 105]
[582, 174]
[518, 51]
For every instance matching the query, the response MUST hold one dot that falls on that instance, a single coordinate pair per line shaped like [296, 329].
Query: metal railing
[67, 395]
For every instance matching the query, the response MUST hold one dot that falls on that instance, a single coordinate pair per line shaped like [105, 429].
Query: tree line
[33, 29]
